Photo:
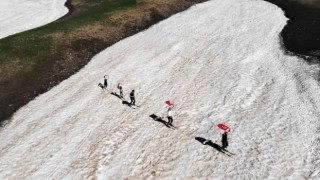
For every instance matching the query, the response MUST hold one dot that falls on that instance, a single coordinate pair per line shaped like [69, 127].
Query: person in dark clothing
[224, 139]
[106, 81]
[133, 101]
[169, 116]
[121, 91]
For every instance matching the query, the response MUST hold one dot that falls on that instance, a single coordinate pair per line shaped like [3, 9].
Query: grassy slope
[30, 62]
[34, 61]
[21, 53]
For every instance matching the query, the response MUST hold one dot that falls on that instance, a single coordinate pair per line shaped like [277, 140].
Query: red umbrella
[223, 127]
[169, 103]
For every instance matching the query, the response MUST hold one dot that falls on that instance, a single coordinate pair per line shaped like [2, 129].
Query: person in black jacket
[133, 101]
[106, 81]
[224, 139]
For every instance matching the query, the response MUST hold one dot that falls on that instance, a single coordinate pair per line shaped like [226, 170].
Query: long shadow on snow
[159, 119]
[127, 103]
[212, 144]
[123, 100]
[117, 95]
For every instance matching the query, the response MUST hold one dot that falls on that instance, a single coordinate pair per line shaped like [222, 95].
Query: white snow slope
[220, 62]
[21, 15]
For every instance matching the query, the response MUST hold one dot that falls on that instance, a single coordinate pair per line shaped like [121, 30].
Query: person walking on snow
[105, 85]
[121, 90]
[106, 81]
[169, 116]
[133, 100]
[224, 139]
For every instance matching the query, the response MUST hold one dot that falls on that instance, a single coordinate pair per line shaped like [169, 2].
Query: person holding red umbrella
[121, 90]
[169, 116]
[224, 136]
[169, 112]
[224, 139]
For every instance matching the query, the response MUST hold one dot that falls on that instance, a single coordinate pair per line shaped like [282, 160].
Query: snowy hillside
[21, 15]
[220, 62]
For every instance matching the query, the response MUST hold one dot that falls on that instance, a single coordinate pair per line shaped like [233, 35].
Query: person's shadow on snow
[117, 95]
[159, 119]
[126, 103]
[212, 144]
[123, 100]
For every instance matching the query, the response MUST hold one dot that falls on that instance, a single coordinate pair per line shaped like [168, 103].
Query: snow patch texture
[21, 15]
[220, 62]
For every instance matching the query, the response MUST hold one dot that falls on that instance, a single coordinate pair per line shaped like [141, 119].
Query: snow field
[20, 15]
[220, 62]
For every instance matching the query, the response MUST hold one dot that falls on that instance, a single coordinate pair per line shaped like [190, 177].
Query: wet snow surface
[21, 15]
[220, 62]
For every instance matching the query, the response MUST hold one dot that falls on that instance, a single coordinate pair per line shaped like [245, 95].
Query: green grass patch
[33, 46]
[37, 59]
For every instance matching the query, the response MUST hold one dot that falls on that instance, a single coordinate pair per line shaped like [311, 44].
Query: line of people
[104, 86]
